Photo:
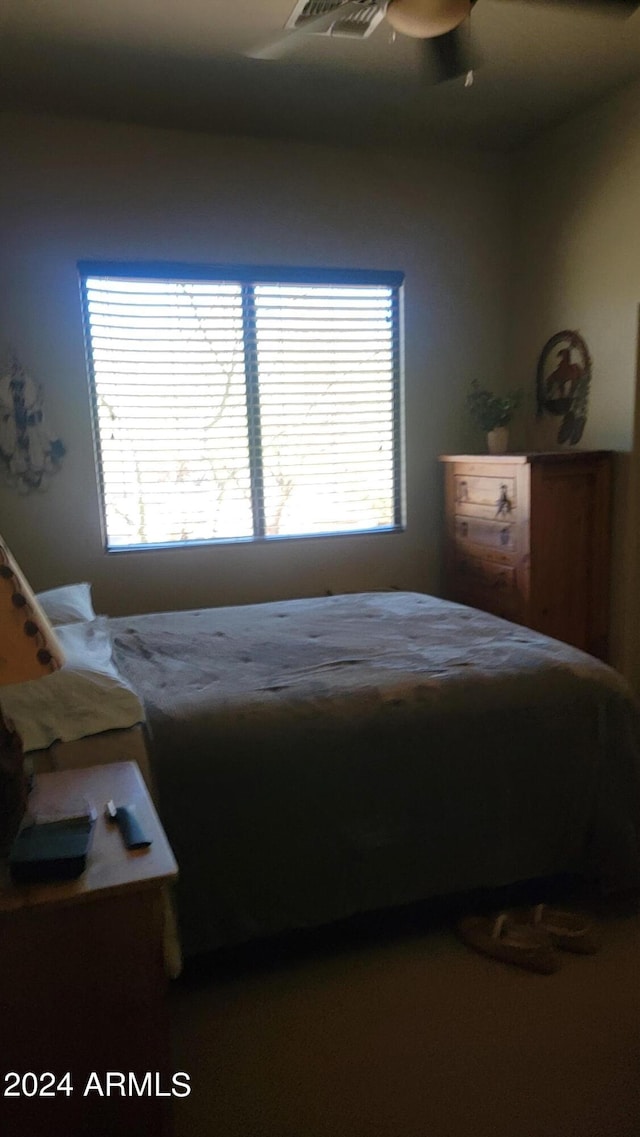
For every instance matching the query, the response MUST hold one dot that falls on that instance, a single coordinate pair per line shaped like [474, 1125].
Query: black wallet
[51, 850]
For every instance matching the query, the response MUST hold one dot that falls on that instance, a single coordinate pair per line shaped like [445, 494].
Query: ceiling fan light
[424, 19]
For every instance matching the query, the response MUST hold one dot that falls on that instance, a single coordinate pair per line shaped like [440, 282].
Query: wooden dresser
[528, 538]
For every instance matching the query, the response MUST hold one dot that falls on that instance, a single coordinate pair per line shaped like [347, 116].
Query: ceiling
[180, 63]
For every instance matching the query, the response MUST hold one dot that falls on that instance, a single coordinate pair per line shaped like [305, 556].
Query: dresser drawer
[505, 605]
[497, 535]
[487, 585]
[495, 496]
[476, 573]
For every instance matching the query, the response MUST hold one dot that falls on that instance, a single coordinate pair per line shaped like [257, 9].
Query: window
[235, 404]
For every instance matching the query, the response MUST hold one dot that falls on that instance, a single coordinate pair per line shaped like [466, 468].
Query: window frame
[249, 276]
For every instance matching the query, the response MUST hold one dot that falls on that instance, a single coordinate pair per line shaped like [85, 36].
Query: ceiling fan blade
[447, 56]
[276, 49]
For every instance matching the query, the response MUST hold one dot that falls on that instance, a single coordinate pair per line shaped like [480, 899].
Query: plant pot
[498, 440]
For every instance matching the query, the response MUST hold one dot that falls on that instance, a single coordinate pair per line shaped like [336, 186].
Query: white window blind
[247, 405]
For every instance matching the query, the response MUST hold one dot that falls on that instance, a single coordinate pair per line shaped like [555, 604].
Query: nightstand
[82, 976]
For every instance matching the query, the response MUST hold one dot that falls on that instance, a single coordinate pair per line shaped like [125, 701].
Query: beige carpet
[406, 1033]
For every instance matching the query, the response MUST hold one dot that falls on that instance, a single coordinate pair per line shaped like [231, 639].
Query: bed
[317, 758]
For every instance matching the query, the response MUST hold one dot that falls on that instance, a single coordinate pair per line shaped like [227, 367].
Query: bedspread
[317, 758]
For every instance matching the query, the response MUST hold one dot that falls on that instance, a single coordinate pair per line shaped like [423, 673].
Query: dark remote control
[130, 828]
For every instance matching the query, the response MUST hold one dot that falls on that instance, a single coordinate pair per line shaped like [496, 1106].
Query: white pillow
[67, 605]
[87, 646]
[85, 696]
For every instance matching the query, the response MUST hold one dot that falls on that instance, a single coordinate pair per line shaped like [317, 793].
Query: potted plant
[493, 413]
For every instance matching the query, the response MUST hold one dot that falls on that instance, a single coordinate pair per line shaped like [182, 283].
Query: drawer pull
[503, 505]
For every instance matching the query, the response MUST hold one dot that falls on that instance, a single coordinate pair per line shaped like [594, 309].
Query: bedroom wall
[577, 266]
[76, 190]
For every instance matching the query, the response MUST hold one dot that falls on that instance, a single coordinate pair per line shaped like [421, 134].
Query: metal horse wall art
[29, 454]
[562, 384]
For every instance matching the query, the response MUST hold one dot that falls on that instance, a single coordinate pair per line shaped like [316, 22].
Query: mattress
[318, 758]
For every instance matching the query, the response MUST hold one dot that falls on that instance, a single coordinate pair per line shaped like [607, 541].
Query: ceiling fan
[437, 24]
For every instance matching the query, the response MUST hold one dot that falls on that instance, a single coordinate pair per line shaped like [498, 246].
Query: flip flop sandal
[523, 944]
[570, 931]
